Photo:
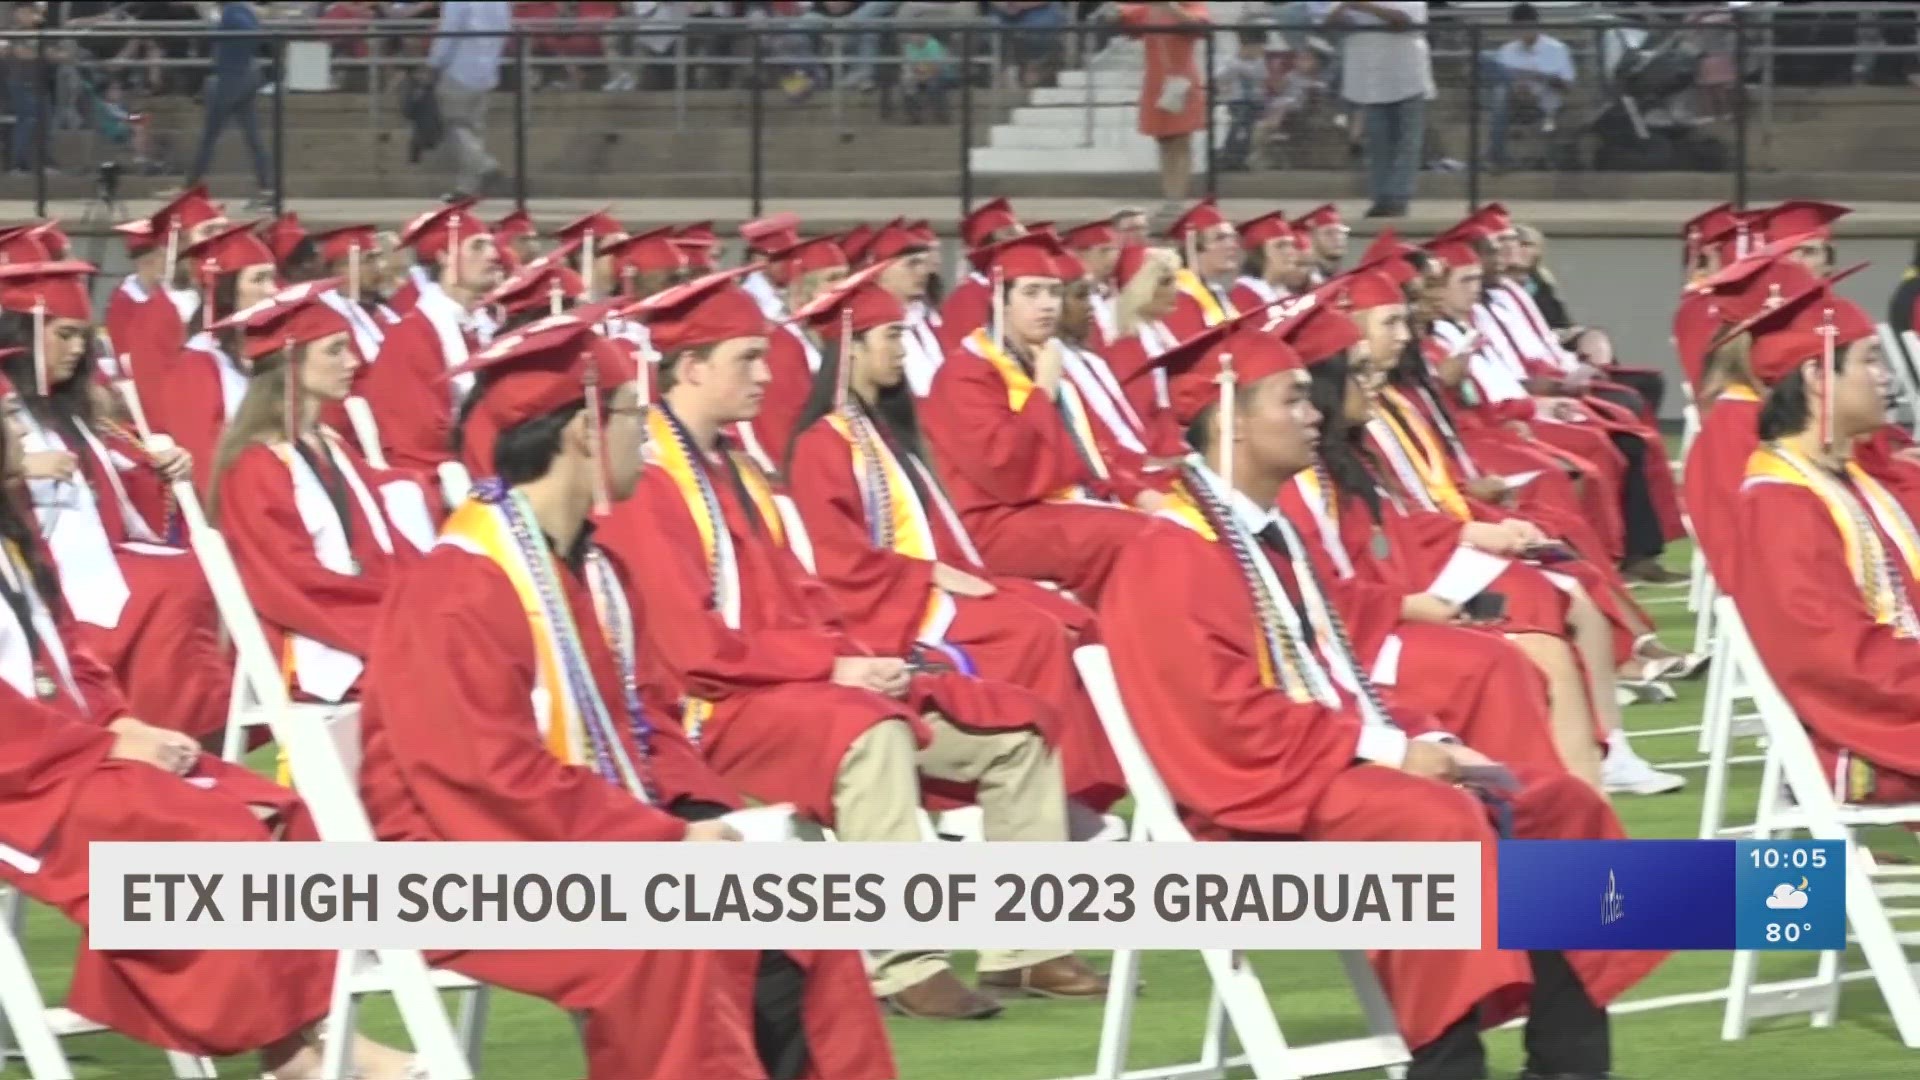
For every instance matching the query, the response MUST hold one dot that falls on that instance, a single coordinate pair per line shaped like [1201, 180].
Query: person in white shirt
[1532, 69]
[1386, 71]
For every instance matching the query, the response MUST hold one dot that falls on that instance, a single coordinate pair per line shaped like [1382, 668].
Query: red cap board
[1363, 290]
[1455, 251]
[1270, 226]
[1029, 255]
[807, 256]
[895, 238]
[854, 242]
[1709, 222]
[57, 288]
[228, 251]
[186, 210]
[282, 235]
[52, 237]
[985, 220]
[516, 224]
[336, 245]
[1131, 260]
[771, 233]
[533, 287]
[1324, 214]
[705, 311]
[1318, 331]
[1386, 245]
[1091, 235]
[655, 249]
[536, 370]
[1792, 333]
[1799, 216]
[857, 302]
[1070, 266]
[1199, 217]
[434, 233]
[24, 244]
[697, 244]
[1194, 366]
[288, 317]
[600, 225]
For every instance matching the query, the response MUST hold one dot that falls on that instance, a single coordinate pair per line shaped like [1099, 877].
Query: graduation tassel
[453, 251]
[208, 271]
[556, 300]
[130, 395]
[1227, 380]
[173, 256]
[596, 453]
[40, 348]
[353, 272]
[999, 309]
[587, 267]
[1828, 334]
[294, 389]
[843, 379]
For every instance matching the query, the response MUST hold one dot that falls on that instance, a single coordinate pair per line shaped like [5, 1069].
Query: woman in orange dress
[1173, 97]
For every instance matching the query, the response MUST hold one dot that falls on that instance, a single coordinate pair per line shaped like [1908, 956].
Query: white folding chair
[366, 430]
[455, 482]
[31, 1031]
[327, 780]
[1238, 1004]
[1815, 809]
[1902, 360]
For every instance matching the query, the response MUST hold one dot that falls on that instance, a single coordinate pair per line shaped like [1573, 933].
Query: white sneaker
[1627, 773]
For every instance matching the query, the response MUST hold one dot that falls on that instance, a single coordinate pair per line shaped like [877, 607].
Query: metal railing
[806, 99]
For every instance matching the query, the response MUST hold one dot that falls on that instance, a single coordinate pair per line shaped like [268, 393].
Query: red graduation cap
[337, 245]
[1070, 266]
[228, 251]
[282, 235]
[516, 224]
[52, 237]
[1492, 219]
[1318, 330]
[854, 242]
[533, 288]
[56, 289]
[895, 238]
[1364, 289]
[1027, 255]
[1091, 235]
[1712, 221]
[1269, 226]
[771, 233]
[290, 316]
[856, 305]
[600, 225]
[539, 369]
[704, 311]
[1131, 260]
[1794, 331]
[807, 256]
[1324, 214]
[435, 232]
[656, 249]
[1799, 216]
[186, 210]
[924, 230]
[985, 220]
[24, 244]
[697, 243]
[1387, 245]
[1456, 251]
[139, 236]
[1198, 218]
[1194, 366]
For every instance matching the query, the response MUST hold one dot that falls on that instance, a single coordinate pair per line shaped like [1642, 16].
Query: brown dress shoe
[1650, 572]
[1061, 977]
[942, 997]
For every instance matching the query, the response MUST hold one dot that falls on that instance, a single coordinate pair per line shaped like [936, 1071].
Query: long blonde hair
[261, 418]
[1137, 292]
[1727, 366]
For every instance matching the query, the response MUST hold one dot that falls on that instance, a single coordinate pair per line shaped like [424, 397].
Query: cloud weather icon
[1787, 898]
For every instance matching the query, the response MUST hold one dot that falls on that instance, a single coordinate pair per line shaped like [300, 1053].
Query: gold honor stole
[1866, 554]
[1020, 387]
[895, 519]
[1736, 392]
[1423, 451]
[1285, 676]
[481, 528]
[1211, 308]
[674, 456]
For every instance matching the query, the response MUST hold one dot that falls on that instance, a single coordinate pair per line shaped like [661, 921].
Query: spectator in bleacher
[1241, 82]
[230, 97]
[26, 91]
[468, 69]
[1386, 71]
[1534, 69]
[928, 72]
[650, 52]
[1173, 104]
[1033, 56]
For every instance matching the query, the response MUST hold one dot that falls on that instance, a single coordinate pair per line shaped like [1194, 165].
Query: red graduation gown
[769, 435]
[147, 329]
[452, 752]
[778, 665]
[1022, 634]
[968, 307]
[1136, 365]
[274, 551]
[1854, 683]
[411, 397]
[192, 405]
[1716, 466]
[1245, 762]
[60, 792]
[1002, 469]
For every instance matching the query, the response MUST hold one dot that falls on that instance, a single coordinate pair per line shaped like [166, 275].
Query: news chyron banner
[1622, 894]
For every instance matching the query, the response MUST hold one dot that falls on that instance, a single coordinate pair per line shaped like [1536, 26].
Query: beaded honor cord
[610, 757]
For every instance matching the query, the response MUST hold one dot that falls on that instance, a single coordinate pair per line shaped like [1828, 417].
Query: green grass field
[530, 1040]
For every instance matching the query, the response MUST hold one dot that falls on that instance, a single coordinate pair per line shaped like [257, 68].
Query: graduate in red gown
[746, 641]
[1219, 624]
[969, 304]
[1324, 234]
[908, 253]
[148, 315]
[233, 269]
[1829, 556]
[1097, 247]
[590, 237]
[1210, 253]
[889, 545]
[1016, 443]
[1148, 292]
[317, 534]
[105, 507]
[793, 353]
[1276, 265]
[767, 284]
[455, 749]
[406, 385]
[76, 766]
[353, 254]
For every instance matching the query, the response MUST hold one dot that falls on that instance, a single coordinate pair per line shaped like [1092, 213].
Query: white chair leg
[1880, 944]
[473, 1024]
[1703, 606]
[189, 1067]
[1116, 1024]
[22, 1010]
[1242, 1001]
[336, 1032]
[233, 745]
[1828, 972]
[1716, 737]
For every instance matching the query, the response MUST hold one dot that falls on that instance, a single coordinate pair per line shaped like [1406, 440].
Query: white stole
[1267, 293]
[449, 321]
[16, 664]
[233, 381]
[1102, 394]
[922, 339]
[367, 333]
[90, 576]
[1497, 380]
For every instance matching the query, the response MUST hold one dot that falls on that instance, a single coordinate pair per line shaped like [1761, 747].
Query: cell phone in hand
[1485, 607]
[1493, 778]
[1549, 552]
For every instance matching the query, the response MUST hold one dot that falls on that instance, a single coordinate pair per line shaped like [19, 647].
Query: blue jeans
[28, 105]
[1496, 89]
[1395, 134]
[226, 102]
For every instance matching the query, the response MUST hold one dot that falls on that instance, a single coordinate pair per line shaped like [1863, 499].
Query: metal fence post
[756, 119]
[1207, 79]
[1473, 117]
[279, 124]
[1086, 69]
[522, 119]
[966, 121]
[43, 108]
[1740, 144]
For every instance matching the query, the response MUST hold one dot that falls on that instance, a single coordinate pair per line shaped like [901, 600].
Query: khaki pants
[876, 796]
[464, 112]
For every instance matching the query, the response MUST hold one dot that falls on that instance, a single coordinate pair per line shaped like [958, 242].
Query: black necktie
[1275, 540]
